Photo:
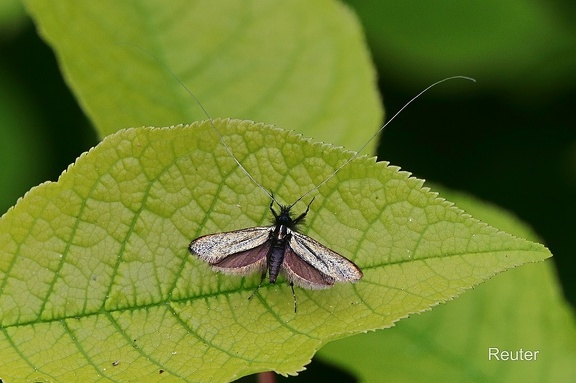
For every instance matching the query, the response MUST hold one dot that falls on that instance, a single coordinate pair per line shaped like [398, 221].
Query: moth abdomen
[276, 260]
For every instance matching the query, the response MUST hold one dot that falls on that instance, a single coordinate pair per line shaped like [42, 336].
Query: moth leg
[301, 216]
[259, 284]
[294, 296]
[272, 208]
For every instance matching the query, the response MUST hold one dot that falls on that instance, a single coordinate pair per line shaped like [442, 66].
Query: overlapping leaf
[298, 64]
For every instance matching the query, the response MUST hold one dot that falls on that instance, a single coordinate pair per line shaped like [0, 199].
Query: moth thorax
[282, 232]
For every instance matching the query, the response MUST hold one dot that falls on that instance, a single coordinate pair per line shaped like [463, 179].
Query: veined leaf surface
[98, 285]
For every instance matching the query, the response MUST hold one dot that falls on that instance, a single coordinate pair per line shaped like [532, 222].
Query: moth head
[283, 216]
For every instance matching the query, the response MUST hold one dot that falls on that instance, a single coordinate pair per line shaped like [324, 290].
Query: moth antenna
[222, 138]
[379, 131]
[168, 70]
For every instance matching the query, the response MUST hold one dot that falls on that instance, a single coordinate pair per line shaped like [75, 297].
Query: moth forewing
[326, 261]
[236, 252]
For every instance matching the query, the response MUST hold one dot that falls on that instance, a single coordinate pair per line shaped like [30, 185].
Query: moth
[276, 249]
[280, 248]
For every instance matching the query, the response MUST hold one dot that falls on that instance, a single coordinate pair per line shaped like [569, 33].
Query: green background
[510, 139]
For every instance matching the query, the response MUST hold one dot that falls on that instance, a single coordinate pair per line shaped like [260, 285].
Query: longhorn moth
[280, 248]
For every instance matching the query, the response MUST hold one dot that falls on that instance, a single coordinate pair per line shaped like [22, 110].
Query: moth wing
[244, 246]
[244, 262]
[312, 265]
[301, 273]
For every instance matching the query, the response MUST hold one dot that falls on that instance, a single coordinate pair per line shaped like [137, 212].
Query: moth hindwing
[276, 249]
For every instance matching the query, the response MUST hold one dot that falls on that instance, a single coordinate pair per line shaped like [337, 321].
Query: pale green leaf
[98, 285]
[301, 65]
[521, 309]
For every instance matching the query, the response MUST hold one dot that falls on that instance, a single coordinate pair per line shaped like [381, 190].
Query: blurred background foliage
[509, 139]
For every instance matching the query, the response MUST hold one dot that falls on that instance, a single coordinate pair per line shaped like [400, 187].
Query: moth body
[274, 250]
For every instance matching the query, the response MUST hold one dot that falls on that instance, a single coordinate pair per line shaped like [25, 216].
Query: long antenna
[221, 138]
[378, 132]
[167, 69]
